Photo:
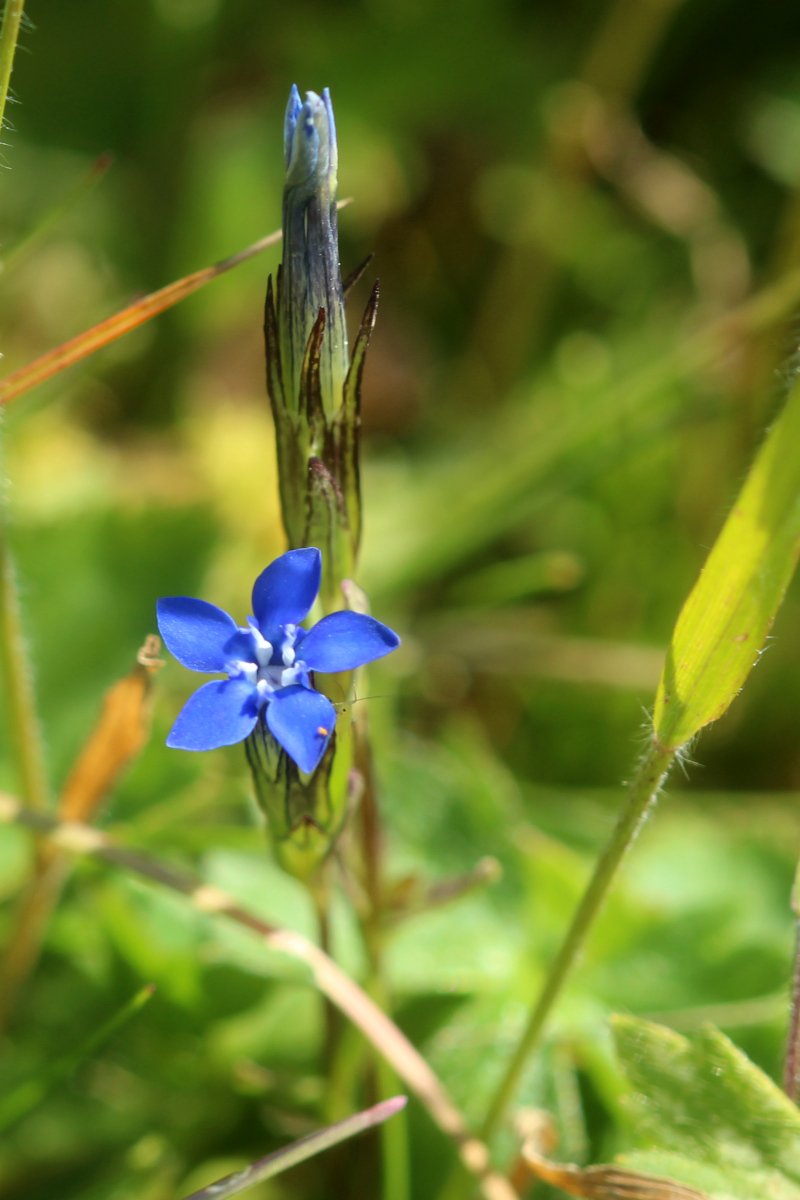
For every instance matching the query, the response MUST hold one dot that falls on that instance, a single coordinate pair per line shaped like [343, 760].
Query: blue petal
[345, 640]
[240, 647]
[333, 154]
[290, 121]
[301, 721]
[196, 633]
[285, 591]
[219, 714]
[302, 153]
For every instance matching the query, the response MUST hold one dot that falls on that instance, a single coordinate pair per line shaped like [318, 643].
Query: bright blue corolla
[269, 664]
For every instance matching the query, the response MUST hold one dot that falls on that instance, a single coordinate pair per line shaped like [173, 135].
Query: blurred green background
[563, 200]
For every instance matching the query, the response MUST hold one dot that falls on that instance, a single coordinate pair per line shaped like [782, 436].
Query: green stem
[643, 790]
[791, 1067]
[395, 1179]
[12, 20]
[26, 736]
[319, 887]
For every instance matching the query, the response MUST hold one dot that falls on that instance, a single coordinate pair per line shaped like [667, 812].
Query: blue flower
[269, 664]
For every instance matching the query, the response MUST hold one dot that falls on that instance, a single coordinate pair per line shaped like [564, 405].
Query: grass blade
[54, 215]
[299, 1151]
[24, 1099]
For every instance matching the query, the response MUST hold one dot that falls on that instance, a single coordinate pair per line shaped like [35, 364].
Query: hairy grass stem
[643, 790]
[9, 34]
[26, 737]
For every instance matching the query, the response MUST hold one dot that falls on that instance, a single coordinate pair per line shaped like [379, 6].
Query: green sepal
[310, 385]
[305, 814]
[291, 438]
[347, 425]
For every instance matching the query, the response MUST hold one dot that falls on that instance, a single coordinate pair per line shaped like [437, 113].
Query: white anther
[263, 648]
[287, 645]
[289, 675]
[243, 670]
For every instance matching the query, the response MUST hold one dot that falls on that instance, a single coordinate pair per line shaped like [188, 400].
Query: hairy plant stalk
[643, 791]
[9, 34]
[395, 1180]
[26, 738]
[25, 733]
[791, 1066]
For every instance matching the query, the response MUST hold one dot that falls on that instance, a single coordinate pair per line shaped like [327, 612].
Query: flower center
[270, 669]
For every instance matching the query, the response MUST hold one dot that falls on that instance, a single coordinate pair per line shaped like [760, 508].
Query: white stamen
[289, 675]
[243, 670]
[262, 647]
[287, 645]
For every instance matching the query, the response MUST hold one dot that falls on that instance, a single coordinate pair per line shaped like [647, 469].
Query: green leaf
[724, 622]
[707, 1116]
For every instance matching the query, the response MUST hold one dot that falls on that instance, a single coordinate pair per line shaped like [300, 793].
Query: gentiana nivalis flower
[269, 663]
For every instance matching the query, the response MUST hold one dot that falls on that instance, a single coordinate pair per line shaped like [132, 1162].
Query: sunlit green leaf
[707, 1116]
[721, 630]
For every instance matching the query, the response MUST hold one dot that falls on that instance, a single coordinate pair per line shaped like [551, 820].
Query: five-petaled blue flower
[269, 664]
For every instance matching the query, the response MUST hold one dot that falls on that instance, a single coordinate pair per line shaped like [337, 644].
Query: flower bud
[313, 380]
[311, 280]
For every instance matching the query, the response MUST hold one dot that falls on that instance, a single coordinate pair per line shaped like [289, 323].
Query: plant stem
[791, 1067]
[643, 790]
[319, 887]
[395, 1180]
[26, 736]
[22, 711]
[12, 19]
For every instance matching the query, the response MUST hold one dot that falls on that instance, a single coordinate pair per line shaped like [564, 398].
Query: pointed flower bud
[311, 279]
[313, 379]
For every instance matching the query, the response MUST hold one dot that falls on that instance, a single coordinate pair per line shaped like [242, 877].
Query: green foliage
[706, 1115]
[586, 238]
[725, 620]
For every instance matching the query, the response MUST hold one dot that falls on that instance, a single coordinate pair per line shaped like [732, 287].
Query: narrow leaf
[299, 1151]
[725, 620]
[348, 421]
[352, 384]
[352, 279]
